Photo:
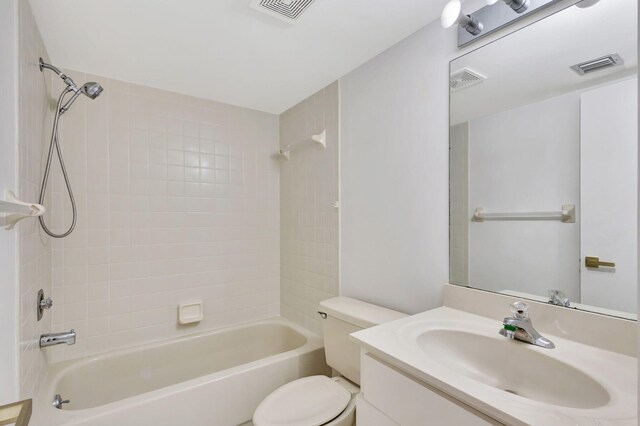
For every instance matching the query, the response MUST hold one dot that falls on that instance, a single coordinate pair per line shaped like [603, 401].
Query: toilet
[320, 400]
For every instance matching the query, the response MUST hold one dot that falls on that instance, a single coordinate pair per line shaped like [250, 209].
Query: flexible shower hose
[56, 143]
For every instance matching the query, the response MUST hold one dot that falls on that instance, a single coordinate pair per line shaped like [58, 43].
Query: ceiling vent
[607, 61]
[286, 10]
[465, 78]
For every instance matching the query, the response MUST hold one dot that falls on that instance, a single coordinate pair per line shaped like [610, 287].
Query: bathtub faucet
[58, 401]
[52, 339]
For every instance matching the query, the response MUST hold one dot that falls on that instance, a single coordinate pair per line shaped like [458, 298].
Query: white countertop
[395, 343]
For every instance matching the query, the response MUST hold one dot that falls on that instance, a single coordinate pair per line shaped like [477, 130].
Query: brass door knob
[594, 262]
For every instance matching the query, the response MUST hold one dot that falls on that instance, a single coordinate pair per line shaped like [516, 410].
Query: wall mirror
[543, 161]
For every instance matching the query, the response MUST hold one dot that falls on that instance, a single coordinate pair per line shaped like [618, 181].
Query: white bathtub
[215, 379]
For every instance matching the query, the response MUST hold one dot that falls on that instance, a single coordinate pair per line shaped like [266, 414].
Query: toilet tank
[344, 316]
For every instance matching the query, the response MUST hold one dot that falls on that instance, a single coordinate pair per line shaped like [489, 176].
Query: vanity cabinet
[367, 414]
[392, 397]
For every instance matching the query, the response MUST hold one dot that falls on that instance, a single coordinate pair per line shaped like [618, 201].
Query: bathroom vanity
[451, 366]
[543, 210]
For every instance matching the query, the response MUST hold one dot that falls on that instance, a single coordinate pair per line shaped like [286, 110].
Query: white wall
[520, 160]
[34, 247]
[394, 169]
[8, 285]
[394, 174]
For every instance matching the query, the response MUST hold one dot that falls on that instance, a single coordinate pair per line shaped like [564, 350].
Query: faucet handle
[46, 303]
[520, 310]
[58, 401]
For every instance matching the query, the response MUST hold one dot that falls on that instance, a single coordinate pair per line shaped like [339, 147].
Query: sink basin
[462, 355]
[514, 367]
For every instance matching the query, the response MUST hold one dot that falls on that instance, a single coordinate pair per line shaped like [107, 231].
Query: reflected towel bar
[566, 215]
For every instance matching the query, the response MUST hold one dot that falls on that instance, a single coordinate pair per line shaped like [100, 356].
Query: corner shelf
[320, 139]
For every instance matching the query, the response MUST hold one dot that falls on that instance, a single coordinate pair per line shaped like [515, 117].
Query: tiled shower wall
[34, 247]
[178, 200]
[309, 219]
[459, 215]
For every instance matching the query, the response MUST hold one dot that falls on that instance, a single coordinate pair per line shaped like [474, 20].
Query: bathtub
[216, 378]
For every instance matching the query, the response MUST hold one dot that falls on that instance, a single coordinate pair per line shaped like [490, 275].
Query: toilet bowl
[310, 401]
[320, 400]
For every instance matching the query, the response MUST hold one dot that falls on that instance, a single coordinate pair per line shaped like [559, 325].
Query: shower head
[91, 89]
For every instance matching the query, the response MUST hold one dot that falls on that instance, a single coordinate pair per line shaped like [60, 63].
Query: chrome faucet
[58, 401]
[52, 339]
[558, 298]
[519, 327]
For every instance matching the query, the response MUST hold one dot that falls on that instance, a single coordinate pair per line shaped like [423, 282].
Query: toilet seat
[310, 401]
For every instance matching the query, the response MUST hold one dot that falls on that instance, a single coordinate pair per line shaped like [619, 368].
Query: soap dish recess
[189, 313]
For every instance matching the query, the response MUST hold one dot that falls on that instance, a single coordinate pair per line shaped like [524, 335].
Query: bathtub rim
[58, 370]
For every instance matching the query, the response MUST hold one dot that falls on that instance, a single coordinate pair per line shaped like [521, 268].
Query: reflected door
[609, 176]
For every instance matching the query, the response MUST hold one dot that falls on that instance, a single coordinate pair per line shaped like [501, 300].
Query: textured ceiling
[223, 49]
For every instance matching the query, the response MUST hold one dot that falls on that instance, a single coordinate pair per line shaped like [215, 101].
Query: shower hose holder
[13, 210]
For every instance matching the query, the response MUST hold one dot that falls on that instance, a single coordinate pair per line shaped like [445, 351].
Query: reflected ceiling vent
[286, 10]
[607, 61]
[464, 78]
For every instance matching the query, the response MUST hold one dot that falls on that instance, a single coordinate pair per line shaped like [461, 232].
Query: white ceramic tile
[308, 190]
[153, 227]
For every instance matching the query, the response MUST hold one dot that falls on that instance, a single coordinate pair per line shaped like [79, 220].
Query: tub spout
[52, 339]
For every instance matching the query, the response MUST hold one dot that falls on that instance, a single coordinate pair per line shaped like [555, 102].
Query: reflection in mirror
[543, 161]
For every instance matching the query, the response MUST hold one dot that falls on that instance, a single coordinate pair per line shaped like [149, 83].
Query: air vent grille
[465, 78]
[607, 61]
[287, 10]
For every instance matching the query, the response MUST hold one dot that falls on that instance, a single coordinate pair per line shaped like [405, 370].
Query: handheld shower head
[91, 89]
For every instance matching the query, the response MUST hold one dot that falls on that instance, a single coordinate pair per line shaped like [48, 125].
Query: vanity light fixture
[518, 6]
[452, 14]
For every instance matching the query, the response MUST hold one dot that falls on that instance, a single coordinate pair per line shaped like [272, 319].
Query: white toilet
[319, 400]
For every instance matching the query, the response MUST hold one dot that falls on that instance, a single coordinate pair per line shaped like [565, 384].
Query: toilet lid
[311, 401]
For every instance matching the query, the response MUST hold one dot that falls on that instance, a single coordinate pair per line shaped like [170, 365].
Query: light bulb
[586, 3]
[451, 14]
